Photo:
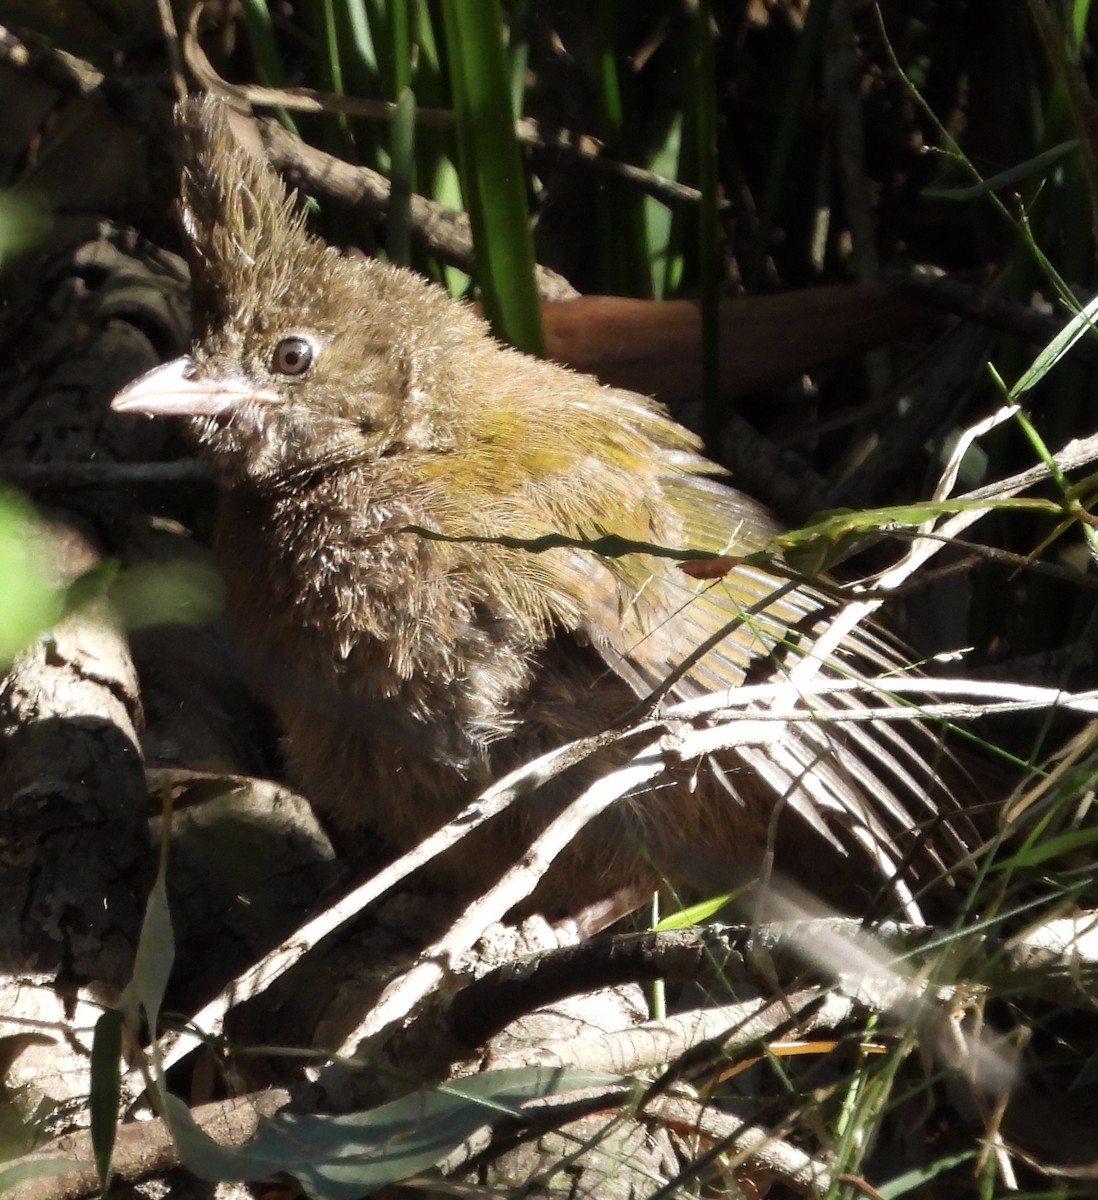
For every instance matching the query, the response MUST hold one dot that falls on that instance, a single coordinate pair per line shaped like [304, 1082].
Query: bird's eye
[292, 356]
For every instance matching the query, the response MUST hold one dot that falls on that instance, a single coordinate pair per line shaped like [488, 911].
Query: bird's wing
[873, 781]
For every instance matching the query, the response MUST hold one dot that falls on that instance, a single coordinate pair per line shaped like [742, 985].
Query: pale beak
[174, 390]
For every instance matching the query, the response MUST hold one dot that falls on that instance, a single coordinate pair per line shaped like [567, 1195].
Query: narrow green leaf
[398, 227]
[329, 45]
[1049, 848]
[920, 1176]
[1082, 323]
[522, 28]
[709, 273]
[106, 1086]
[400, 46]
[842, 522]
[325, 20]
[360, 20]
[694, 914]
[662, 245]
[492, 176]
[265, 52]
[155, 953]
[621, 242]
[1036, 165]
[257, 22]
[347, 1156]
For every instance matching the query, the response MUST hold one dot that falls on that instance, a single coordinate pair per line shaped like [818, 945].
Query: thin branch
[444, 232]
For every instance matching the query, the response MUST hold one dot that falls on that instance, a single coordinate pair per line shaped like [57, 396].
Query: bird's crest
[246, 231]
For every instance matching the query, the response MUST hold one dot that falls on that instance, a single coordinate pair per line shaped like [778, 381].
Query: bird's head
[303, 357]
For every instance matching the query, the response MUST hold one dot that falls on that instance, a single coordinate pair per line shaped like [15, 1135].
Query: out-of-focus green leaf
[29, 601]
[179, 592]
[25, 219]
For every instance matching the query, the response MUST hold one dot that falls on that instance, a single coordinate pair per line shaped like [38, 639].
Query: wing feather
[875, 784]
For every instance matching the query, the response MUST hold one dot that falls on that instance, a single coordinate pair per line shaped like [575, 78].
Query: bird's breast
[342, 615]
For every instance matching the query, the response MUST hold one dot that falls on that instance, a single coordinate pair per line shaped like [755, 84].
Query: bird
[385, 468]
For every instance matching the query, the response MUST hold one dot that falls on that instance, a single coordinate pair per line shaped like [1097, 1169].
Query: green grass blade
[398, 237]
[265, 52]
[493, 180]
[664, 249]
[705, 102]
[265, 55]
[622, 243]
[106, 1059]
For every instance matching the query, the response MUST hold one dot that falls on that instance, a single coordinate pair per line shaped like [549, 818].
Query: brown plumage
[341, 400]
